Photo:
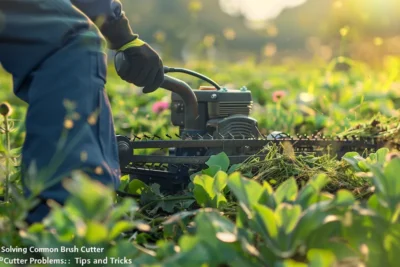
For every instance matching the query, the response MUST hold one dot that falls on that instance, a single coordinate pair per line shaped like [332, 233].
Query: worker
[55, 51]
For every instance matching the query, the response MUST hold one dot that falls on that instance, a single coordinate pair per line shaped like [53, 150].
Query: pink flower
[278, 95]
[160, 106]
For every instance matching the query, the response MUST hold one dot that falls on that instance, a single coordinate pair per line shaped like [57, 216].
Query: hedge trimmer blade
[172, 168]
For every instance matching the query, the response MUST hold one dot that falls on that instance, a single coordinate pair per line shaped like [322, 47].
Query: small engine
[222, 114]
[210, 113]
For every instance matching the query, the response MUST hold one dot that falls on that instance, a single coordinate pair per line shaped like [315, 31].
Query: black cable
[193, 73]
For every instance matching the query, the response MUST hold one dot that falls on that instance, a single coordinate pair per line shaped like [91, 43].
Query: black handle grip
[189, 98]
[170, 84]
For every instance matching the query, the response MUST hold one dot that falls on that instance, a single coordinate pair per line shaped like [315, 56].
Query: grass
[278, 167]
[313, 98]
[362, 101]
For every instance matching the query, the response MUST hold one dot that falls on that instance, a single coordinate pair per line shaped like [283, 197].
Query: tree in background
[182, 29]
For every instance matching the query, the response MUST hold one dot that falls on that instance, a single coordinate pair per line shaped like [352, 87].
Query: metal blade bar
[190, 160]
[148, 173]
[249, 143]
[194, 160]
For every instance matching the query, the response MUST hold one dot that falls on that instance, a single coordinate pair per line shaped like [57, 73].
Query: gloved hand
[136, 62]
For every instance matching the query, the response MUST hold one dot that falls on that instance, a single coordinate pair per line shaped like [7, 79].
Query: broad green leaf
[350, 155]
[287, 191]
[193, 251]
[212, 220]
[212, 231]
[220, 182]
[137, 187]
[233, 168]
[382, 210]
[268, 188]
[392, 181]
[172, 226]
[353, 158]
[203, 189]
[387, 183]
[379, 180]
[124, 181]
[120, 227]
[169, 205]
[90, 199]
[179, 217]
[344, 198]
[186, 242]
[320, 258]
[36, 228]
[312, 218]
[96, 232]
[123, 248]
[265, 223]
[221, 160]
[219, 201]
[290, 263]
[156, 189]
[324, 237]
[248, 192]
[288, 216]
[211, 171]
[268, 198]
[165, 249]
[206, 190]
[65, 227]
[310, 193]
[392, 244]
[127, 206]
[381, 155]
[148, 196]
[363, 165]
[142, 238]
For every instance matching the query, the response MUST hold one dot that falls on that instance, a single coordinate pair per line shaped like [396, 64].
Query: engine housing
[222, 113]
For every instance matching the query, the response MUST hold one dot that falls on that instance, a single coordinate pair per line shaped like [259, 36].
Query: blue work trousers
[57, 58]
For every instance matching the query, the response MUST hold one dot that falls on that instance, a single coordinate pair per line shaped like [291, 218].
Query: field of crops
[303, 211]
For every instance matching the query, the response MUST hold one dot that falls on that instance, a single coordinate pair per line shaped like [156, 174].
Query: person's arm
[143, 66]
[111, 20]
[96, 8]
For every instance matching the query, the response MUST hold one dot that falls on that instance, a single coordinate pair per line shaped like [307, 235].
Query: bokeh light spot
[195, 6]
[84, 156]
[229, 34]
[98, 170]
[270, 50]
[378, 41]
[338, 4]
[68, 124]
[344, 31]
[209, 40]
[160, 36]
[272, 30]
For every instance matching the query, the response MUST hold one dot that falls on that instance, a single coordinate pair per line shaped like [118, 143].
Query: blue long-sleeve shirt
[94, 8]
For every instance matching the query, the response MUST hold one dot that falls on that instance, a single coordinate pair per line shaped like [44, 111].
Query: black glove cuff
[118, 32]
